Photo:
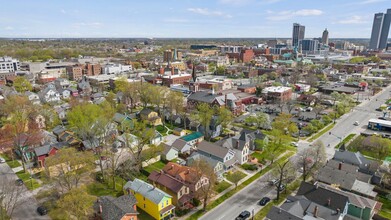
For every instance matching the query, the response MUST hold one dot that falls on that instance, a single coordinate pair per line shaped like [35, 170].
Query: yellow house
[152, 200]
[151, 116]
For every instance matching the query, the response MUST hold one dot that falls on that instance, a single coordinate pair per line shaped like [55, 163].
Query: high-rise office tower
[380, 29]
[325, 37]
[298, 34]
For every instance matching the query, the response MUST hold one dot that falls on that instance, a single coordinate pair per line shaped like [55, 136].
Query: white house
[65, 93]
[49, 95]
[241, 147]
[61, 83]
[33, 97]
[116, 68]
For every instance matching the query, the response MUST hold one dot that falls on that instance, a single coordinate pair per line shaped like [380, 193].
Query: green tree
[76, 204]
[220, 70]
[204, 171]
[262, 120]
[21, 84]
[224, 117]
[67, 167]
[235, 178]
[284, 124]
[136, 65]
[203, 114]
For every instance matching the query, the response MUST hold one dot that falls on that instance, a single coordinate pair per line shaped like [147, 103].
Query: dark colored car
[42, 210]
[264, 201]
[19, 182]
[244, 215]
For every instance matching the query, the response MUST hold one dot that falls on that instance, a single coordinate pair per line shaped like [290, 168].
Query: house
[307, 100]
[179, 131]
[74, 92]
[33, 97]
[182, 146]
[302, 87]
[124, 121]
[41, 153]
[169, 152]
[150, 116]
[364, 165]
[65, 93]
[110, 208]
[256, 138]
[324, 202]
[186, 175]
[241, 147]
[218, 167]
[92, 144]
[228, 100]
[213, 130]
[217, 152]
[175, 119]
[127, 140]
[193, 138]
[150, 199]
[49, 94]
[157, 139]
[70, 138]
[61, 83]
[84, 87]
[347, 177]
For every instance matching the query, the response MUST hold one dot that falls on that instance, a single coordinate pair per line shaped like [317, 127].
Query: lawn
[162, 130]
[227, 195]
[345, 140]
[31, 184]
[386, 208]
[154, 167]
[106, 188]
[230, 174]
[363, 144]
[223, 185]
[248, 166]
[11, 163]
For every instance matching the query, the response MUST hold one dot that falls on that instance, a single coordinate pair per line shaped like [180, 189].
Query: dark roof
[145, 111]
[257, 134]
[321, 196]
[202, 96]
[356, 158]
[58, 130]
[277, 213]
[39, 151]
[116, 208]
[179, 144]
[213, 149]
[166, 181]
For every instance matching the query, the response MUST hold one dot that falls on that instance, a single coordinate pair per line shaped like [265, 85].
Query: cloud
[9, 28]
[235, 2]
[285, 15]
[353, 20]
[370, 2]
[207, 12]
[63, 11]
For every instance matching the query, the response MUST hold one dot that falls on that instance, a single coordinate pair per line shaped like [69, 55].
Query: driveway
[28, 204]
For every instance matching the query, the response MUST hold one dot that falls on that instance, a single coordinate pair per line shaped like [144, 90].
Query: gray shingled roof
[277, 213]
[147, 190]
[212, 149]
[116, 208]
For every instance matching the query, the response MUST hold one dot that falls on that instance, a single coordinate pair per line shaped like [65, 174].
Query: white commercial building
[116, 68]
[8, 64]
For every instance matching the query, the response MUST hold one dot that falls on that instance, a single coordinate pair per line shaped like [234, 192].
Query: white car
[2, 160]
[356, 123]
[295, 144]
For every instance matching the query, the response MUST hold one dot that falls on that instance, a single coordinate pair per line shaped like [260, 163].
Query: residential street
[248, 198]
[28, 204]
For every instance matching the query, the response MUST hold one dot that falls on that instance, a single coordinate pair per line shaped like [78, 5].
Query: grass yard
[31, 184]
[162, 130]
[223, 185]
[345, 140]
[143, 215]
[154, 167]
[369, 146]
[11, 163]
[248, 166]
[230, 174]
[106, 188]
[386, 208]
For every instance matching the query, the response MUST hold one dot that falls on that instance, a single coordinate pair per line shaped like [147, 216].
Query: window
[166, 202]
[144, 198]
[163, 205]
[144, 206]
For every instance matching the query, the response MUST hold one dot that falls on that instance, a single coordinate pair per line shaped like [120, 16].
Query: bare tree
[204, 170]
[318, 109]
[311, 159]
[284, 171]
[290, 105]
[10, 196]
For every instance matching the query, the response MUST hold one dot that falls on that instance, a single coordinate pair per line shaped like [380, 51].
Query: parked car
[2, 160]
[42, 210]
[282, 187]
[356, 123]
[295, 144]
[264, 201]
[273, 182]
[19, 182]
[308, 109]
[243, 215]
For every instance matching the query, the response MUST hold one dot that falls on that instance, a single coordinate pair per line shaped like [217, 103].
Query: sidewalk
[232, 187]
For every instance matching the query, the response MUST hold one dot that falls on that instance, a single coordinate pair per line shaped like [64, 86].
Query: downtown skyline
[187, 19]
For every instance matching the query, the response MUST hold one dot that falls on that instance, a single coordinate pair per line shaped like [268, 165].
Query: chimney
[339, 166]
[316, 211]
[328, 202]
[237, 144]
[172, 166]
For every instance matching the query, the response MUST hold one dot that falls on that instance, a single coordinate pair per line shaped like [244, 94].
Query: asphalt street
[248, 198]
[28, 204]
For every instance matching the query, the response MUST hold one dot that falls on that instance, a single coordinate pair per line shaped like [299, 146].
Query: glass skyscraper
[298, 34]
[380, 29]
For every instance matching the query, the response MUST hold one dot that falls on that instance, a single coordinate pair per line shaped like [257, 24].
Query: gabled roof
[179, 144]
[356, 158]
[321, 196]
[146, 111]
[213, 149]
[277, 213]
[116, 208]
[39, 151]
[166, 180]
[147, 190]
[181, 173]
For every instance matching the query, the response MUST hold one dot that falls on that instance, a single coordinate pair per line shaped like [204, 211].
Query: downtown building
[298, 34]
[380, 29]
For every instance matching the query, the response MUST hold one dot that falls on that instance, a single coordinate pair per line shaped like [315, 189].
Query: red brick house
[41, 153]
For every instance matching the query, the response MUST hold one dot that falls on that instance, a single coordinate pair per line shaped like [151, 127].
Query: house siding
[150, 207]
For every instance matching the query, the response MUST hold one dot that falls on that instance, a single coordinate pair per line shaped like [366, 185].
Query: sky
[187, 18]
